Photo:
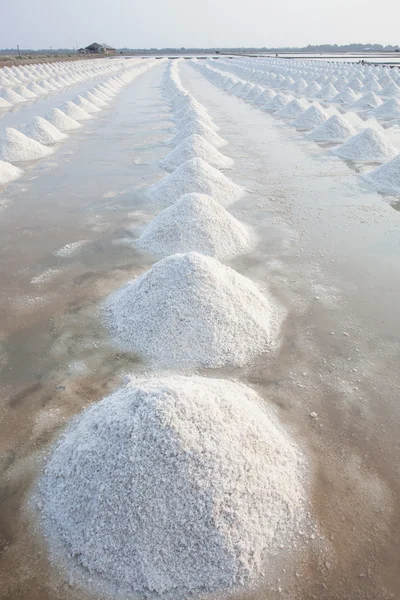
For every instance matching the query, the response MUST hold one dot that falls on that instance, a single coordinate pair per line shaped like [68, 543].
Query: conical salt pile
[197, 223]
[24, 92]
[368, 146]
[12, 97]
[312, 117]
[192, 310]
[386, 178]
[370, 100]
[278, 102]
[44, 132]
[174, 487]
[61, 121]
[200, 128]
[95, 100]
[346, 96]
[265, 97]
[8, 173]
[196, 175]
[195, 147]
[335, 129]
[75, 112]
[86, 105]
[293, 109]
[36, 89]
[193, 115]
[17, 147]
[4, 103]
[388, 110]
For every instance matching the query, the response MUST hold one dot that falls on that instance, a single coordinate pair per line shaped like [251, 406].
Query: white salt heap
[179, 487]
[370, 146]
[75, 112]
[386, 178]
[335, 129]
[8, 173]
[12, 97]
[17, 147]
[89, 107]
[195, 147]
[61, 121]
[44, 132]
[196, 223]
[4, 103]
[200, 128]
[192, 310]
[196, 175]
[388, 110]
[312, 117]
[293, 108]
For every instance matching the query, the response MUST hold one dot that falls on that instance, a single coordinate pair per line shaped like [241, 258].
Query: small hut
[96, 48]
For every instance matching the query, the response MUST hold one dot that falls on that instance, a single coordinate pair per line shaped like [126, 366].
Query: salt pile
[200, 128]
[386, 177]
[75, 112]
[17, 147]
[193, 115]
[61, 121]
[196, 223]
[8, 173]
[388, 110]
[95, 100]
[369, 146]
[278, 102]
[266, 96]
[335, 129]
[86, 105]
[195, 147]
[42, 131]
[196, 175]
[4, 103]
[312, 117]
[346, 96]
[370, 100]
[175, 486]
[293, 109]
[12, 97]
[190, 309]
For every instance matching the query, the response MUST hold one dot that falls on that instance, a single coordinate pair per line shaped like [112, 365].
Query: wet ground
[329, 250]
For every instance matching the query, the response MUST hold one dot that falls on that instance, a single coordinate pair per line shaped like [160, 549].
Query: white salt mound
[12, 97]
[17, 147]
[8, 173]
[335, 129]
[86, 105]
[196, 175]
[75, 112]
[192, 310]
[195, 147]
[312, 117]
[370, 145]
[197, 223]
[61, 121]
[293, 108]
[200, 128]
[4, 103]
[44, 132]
[177, 487]
[386, 177]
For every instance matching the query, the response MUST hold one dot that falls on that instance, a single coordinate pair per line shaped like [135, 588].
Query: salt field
[199, 330]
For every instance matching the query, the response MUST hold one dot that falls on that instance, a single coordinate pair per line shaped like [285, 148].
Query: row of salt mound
[195, 146]
[196, 222]
[174, 487]
[189, 309]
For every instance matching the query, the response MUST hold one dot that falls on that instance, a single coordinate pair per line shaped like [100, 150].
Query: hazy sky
[175, 23]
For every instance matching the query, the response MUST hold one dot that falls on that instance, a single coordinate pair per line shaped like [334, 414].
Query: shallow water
[329, 251]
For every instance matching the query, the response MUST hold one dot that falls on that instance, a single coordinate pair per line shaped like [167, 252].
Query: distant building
[96, 48]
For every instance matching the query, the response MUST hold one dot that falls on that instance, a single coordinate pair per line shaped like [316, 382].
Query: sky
[206, 23]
